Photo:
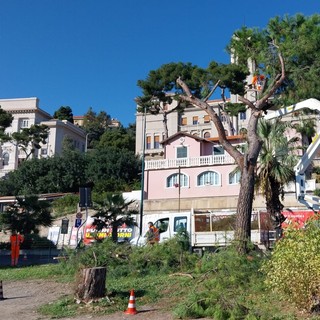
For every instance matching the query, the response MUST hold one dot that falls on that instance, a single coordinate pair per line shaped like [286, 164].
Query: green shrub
[293, 273]
[317, 192]
[123, 259]
[65, 205]
[226, 281]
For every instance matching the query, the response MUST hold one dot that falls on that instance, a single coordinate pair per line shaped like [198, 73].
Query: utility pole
[142, 167]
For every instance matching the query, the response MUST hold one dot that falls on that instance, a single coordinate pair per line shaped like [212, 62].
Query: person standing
[152, 235]
[15, 239]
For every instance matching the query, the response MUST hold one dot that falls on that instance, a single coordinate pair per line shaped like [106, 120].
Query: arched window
[207, 135]
[5, 159]
[208, 178]
[234, 177]
[173, 180]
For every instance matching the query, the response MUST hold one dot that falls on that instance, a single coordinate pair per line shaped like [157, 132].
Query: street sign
[85, 197]
[78, 222]
[64, 226]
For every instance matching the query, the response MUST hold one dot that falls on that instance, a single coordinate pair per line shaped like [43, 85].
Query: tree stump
[91, 284]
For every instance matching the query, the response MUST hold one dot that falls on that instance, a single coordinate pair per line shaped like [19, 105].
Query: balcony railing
[188, 162]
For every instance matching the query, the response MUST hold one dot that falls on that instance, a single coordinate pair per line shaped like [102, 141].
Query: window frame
[178, 156]
[235, 176]
[209, 178]
[172, 181]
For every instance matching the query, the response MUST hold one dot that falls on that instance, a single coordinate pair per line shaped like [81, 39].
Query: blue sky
[90, 53]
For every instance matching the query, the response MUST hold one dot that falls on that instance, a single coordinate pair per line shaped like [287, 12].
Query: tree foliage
[30, 139]
[276, 165]
[109, 168]
[113, 210]
[63, 173]
[26, 215]
[64, 113]
[293, 272]
[112, 169]
[5, 122]
[95, 125]
[120, 138]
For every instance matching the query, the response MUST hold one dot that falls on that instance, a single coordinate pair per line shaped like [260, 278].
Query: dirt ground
[22, 299]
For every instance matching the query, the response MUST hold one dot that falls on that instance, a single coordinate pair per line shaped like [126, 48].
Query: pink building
[194, 173]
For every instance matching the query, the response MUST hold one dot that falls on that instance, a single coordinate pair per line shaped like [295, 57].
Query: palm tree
[275, 166]
[27, 215]
[113, 210]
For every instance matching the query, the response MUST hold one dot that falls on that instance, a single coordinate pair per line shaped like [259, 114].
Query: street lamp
[86, 145]
[142, 167]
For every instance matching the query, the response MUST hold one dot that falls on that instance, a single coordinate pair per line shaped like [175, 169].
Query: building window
[234, 177]
[243, 115]
[217, 150]
[207, 135]
[24, 123]
[44, 152]
[173, 180]
[223, 118]
[156, 144]
[184, 121]
[208, 178]
[182, 152]
[206, 119]
[5, 159]
[195, 120]
[148, 142]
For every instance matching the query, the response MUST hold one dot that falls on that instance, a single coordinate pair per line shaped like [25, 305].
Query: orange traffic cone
[1, 291]
[132, 304]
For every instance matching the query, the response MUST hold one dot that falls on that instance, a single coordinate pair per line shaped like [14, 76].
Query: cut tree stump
[91, 284]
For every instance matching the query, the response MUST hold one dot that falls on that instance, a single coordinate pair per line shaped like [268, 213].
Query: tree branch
[278, 82]
[184, 87]
[212, 91]
[236, 154]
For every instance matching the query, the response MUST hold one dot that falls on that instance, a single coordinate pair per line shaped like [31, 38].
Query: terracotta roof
[237, 137]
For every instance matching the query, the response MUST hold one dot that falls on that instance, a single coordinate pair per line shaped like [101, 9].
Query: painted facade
[192, 168]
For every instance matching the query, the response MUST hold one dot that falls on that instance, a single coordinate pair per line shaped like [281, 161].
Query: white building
[26, 112]
[192, 120]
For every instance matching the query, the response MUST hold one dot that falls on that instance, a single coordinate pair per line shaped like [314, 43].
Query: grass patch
[46, 271]
[220, 286]
[60, 309]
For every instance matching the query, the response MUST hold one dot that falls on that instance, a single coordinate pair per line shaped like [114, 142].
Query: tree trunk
[244, 209]
[92, 284]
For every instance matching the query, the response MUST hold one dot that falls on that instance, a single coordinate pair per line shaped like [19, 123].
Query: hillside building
[26, 112]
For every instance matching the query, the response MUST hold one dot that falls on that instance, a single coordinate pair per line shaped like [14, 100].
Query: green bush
[217, 296]
[293, 273]
[65, 205]
[317, 192]
[123, 259]
[229, 286]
